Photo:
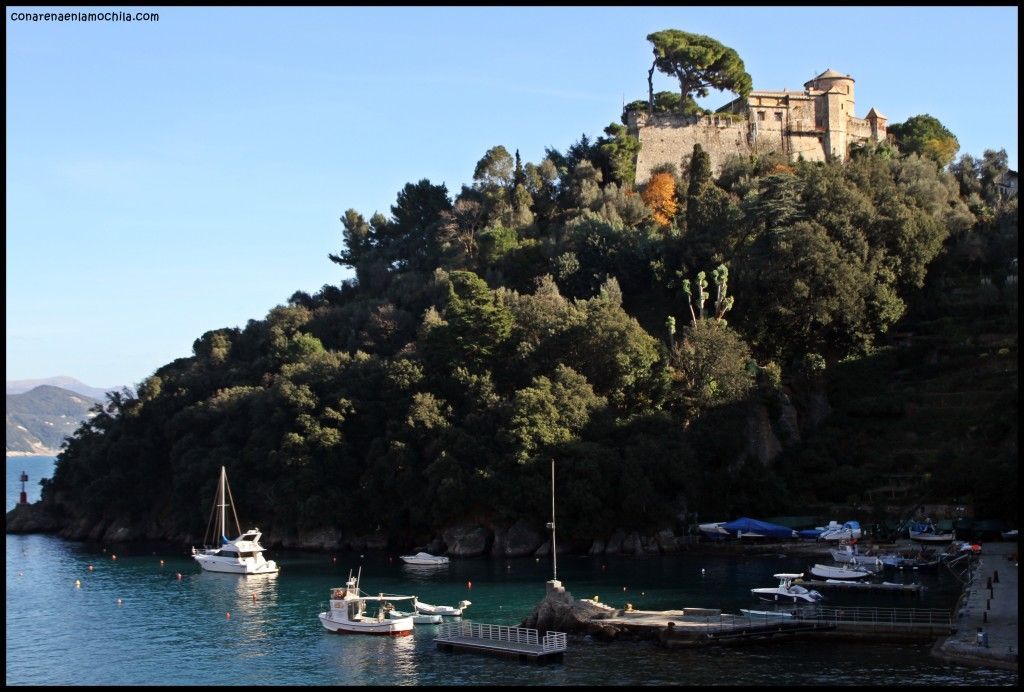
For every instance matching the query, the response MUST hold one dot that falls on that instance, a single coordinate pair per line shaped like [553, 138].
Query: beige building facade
[816, 124]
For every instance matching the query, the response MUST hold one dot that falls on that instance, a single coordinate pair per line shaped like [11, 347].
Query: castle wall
[858, 129]
[670, 139]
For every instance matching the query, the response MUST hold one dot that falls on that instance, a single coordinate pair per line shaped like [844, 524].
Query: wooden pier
[521, 642]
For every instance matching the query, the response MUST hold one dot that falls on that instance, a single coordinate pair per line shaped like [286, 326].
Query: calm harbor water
[176, 631]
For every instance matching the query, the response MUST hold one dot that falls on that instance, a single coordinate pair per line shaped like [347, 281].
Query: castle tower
[835, 101]
[878, 123]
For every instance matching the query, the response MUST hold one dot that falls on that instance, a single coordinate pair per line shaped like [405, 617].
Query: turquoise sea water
[176, 631]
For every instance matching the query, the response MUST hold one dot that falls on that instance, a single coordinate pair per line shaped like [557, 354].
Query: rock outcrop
[32, 518]
[466, 540]
[560, 612]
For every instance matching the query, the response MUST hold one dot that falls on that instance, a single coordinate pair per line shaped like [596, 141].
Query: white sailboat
[243, 555]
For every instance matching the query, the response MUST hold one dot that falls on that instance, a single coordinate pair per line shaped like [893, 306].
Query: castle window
[778, 116]
[760, 115]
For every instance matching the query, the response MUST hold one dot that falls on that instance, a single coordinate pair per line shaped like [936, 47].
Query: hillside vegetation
[708, 344]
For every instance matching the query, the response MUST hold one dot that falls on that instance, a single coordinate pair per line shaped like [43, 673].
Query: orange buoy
[469, 585]
[229, 616]
[179, 575]
[254, 598]
[161, 563]
[113, 557]
[90, 568]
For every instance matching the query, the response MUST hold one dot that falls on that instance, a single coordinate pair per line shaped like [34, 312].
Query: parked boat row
[745, 527]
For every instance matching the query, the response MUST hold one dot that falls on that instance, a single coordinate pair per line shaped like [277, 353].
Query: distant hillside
[62, 381]
[40, 419]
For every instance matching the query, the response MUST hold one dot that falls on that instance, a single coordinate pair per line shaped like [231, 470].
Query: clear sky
[168, 178]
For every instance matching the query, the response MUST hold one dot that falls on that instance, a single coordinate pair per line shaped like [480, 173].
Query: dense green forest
[646, 340]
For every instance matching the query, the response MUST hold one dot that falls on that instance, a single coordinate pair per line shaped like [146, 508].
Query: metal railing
[938, 617]
[888, 618]
[552, 641]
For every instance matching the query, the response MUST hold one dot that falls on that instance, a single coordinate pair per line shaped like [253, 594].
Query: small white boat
[452, 611]
[243, 555]
[713, 529]
[837, 572]
[417, 618]
[346, 613]
[928, 533]
[765, 613]
[787, 591]
[848, 531]
[424, 559]
[848, 554]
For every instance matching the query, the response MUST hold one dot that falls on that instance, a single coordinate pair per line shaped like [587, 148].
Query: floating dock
[524, 643]
[864, 586]
[703, 626]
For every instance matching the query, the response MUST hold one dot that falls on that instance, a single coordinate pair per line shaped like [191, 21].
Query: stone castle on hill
[816, 124]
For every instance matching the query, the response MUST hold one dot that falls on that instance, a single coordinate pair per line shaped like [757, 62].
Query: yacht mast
[223, 504]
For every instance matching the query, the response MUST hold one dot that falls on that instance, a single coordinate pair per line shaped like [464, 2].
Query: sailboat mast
[223, 500]
[554, 551]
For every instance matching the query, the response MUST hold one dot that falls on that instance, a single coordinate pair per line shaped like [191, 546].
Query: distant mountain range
[38, 420]
[62, 381]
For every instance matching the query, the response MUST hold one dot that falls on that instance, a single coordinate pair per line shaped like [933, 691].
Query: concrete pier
[990, 611]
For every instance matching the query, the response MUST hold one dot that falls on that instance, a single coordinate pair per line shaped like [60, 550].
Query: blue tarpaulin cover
[763, 528]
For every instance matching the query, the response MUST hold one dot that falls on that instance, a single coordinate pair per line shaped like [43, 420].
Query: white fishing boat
[424, 559]
[347, 612]
[838, 572]
[787, 591]
[451, 611]
[243, 555]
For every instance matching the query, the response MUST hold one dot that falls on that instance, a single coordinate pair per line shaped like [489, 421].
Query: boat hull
[782, 598]
[385, 628]
[214, 565]
[826, 572]
[932, 538]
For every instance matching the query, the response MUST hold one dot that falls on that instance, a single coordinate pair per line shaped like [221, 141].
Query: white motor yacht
[787, 591]
[243, 555]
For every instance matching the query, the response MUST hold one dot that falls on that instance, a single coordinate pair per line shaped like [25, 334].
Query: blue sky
[167, 178]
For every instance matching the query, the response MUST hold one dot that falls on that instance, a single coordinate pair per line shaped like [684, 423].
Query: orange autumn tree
[660, 197]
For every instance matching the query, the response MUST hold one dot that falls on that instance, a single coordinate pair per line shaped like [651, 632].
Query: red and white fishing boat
[347, 612]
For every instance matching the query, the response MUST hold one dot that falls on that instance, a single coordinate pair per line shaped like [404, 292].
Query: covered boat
[745, 527]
